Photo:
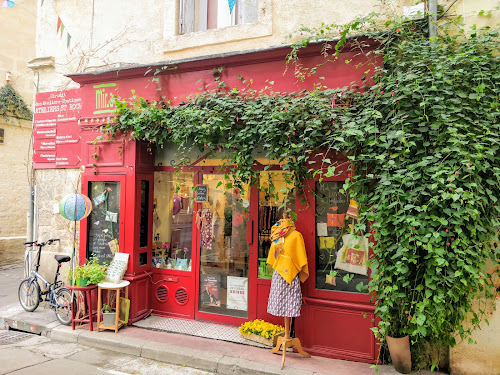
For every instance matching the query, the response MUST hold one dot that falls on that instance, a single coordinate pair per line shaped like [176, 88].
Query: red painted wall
[332, 323]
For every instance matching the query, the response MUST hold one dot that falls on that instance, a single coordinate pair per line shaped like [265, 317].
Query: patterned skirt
[284, 299]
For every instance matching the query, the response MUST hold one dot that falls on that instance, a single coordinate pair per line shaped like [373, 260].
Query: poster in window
[237, 293]
[210, 286]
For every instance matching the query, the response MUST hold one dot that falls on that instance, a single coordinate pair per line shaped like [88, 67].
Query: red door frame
[252, 258]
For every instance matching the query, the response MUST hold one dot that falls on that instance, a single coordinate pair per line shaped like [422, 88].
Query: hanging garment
[284, 299]
[288, 253]
[206, 229]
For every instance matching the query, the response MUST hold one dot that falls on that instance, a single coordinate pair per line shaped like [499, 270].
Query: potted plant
[181, 263]
[84, 275]
[261, 331]
[95, 272]
[77, 275]
[108, 315]
[70, 278]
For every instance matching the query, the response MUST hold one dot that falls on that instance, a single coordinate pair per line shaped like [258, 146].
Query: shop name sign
[103, 98]
[56, 136]
[57, 103]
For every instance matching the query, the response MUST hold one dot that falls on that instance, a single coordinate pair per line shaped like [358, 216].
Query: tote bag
[353, 255]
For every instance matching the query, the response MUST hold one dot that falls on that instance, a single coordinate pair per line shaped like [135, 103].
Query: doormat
[196, 328]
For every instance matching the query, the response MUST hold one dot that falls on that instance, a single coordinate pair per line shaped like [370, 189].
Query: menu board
[103, 223]
[201, 193]
[56, 135]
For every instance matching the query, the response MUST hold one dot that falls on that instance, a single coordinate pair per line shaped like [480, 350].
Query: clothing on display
[288, 257]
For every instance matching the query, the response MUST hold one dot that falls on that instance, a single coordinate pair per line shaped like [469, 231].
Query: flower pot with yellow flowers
[261, 331]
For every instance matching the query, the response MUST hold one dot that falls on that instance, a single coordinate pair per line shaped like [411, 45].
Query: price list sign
[56, 135]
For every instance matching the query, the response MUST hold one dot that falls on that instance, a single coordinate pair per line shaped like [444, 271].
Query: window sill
[217, 36]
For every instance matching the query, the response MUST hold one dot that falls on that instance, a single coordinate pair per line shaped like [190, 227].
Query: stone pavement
[207, 354]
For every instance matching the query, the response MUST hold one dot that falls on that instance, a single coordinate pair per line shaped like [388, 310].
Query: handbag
[353, 256]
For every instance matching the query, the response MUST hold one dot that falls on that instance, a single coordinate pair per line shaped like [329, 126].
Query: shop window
[274, 188]
[173, 221]
[223, 247]
[144, 223]
[200, 15]
[103, 222]
[333, 229]
[143, 259]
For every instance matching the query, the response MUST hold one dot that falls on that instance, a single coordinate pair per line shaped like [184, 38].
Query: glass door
[221, 220]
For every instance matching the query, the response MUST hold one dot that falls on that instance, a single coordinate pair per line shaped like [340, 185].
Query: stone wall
[17, 47]
[53, 185]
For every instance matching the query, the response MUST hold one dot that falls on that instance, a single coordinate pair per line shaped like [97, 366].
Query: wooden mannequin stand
[288, 342]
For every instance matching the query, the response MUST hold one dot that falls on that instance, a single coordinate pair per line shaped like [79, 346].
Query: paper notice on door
[237, 293]
[321, 230]
[112, 216]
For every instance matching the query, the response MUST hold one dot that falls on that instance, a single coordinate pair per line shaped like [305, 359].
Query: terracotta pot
[399, 348]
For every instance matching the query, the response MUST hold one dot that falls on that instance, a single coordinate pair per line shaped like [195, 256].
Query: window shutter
[247, 11]
[186, 16]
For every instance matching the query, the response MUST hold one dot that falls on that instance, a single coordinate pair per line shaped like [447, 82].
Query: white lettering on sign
[54, 108]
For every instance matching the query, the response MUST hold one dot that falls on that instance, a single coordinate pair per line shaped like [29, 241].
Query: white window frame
[175, 42]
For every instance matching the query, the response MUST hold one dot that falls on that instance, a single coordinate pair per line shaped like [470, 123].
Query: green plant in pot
[96, 273]
[108, 315]
[77, 276]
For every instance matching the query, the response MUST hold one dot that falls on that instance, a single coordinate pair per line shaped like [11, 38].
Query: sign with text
[201, 193]
[56, 135]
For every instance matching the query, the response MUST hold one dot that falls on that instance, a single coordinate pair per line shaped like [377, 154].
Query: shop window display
[274, 187]
[173, 221]
[221, 222]
[103, 222]
[341, 258]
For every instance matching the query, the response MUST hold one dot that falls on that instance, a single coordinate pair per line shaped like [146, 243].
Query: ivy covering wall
[423, 142]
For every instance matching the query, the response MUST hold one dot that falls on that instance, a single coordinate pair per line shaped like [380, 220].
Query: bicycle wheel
[63, 306]
[29, 294]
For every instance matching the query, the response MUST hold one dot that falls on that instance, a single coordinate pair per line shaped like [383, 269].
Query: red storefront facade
[171, 262]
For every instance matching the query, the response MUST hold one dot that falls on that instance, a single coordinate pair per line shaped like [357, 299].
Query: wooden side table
[89, 315]
[111, 287]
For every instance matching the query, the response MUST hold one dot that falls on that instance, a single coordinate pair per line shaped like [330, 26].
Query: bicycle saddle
[62, 258]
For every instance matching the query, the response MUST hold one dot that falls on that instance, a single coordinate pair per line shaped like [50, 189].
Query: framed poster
[209, 291]
[237, 293]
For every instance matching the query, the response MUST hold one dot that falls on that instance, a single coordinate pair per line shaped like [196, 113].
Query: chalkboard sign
[201, 193]
[104, 221]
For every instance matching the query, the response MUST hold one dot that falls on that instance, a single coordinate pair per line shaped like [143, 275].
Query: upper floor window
[200, 15]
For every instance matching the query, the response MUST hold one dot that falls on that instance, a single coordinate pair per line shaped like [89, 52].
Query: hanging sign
[56, 129]
[201, 193]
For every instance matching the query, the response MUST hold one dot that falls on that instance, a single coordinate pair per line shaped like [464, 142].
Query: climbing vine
[12, 105]
[422, 135]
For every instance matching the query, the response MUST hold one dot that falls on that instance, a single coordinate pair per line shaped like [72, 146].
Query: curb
[181, 356]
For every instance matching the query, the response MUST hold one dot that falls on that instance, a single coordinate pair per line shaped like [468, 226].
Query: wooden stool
[89, 315]
[111, 287]
[287, 342]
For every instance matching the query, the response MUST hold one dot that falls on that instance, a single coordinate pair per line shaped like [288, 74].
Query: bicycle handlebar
[48, 242]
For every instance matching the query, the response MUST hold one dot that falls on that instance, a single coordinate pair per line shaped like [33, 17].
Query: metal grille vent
[162, 293]
[181, 296]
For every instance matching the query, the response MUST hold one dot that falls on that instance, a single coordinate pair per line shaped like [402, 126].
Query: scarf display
[287, 254]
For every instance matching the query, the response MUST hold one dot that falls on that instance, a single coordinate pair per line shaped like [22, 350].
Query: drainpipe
[432, 18]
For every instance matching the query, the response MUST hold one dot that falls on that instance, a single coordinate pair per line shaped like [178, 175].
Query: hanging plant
[12, 105]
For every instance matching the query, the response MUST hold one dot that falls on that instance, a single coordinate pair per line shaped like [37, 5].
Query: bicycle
[58, 297]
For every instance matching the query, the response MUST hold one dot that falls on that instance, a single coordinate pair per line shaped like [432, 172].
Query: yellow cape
[288, 256]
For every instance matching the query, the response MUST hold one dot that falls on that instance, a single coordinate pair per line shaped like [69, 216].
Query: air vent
[181, 296]
[162, 293]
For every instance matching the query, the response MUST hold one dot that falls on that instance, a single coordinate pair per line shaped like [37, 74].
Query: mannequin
[288, 258]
